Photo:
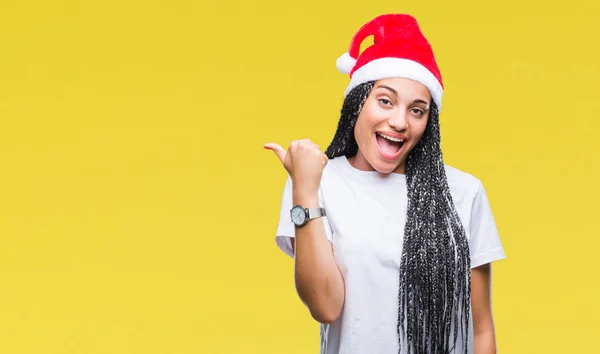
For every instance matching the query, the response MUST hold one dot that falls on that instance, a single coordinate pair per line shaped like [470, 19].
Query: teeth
[390, 138]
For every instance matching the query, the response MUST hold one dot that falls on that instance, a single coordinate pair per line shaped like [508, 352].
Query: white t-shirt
[366, 213]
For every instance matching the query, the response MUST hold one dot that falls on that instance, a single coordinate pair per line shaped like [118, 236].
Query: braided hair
[435, 275]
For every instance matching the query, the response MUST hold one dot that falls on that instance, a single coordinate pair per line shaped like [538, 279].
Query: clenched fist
[304, 161]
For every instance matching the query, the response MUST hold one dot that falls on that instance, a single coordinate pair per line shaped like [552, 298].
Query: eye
[418, 112]
[385, 102]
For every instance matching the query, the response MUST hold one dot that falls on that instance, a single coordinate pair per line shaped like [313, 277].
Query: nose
[399, 121]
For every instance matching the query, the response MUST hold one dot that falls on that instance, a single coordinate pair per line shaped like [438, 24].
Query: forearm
[481, 302]
[319, 282]
[485, 342]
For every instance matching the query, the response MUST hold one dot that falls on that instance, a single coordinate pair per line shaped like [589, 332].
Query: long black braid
[435, 273]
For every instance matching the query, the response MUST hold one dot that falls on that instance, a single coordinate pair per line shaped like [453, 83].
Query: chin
[384, 166]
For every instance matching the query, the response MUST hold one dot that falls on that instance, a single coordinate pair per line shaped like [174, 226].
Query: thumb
[277, 149]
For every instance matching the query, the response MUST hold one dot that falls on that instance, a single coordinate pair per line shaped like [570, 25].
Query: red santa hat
[399, 50]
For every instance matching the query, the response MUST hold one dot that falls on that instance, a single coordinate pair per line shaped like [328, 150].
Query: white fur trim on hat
[345, 63]
[384, 68]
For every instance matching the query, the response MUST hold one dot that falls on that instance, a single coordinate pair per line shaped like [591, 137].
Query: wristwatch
[300, 215]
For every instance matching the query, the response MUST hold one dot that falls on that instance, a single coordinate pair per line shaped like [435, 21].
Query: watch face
[298, 215]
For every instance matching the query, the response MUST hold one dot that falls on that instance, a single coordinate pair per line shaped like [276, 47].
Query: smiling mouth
[388, 145]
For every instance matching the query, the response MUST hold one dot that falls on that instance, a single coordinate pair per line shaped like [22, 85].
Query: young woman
[392, 247]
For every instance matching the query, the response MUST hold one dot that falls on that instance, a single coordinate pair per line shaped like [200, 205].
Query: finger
[302, 144]
[277, 149]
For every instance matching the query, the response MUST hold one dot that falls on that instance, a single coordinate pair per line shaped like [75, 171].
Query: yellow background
[138, 208]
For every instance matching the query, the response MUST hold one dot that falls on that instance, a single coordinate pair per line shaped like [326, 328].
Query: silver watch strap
[314, 213]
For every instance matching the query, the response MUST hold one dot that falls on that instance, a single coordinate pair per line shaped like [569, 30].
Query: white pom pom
[345, 63]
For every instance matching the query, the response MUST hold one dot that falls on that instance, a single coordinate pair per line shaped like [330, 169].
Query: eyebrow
[418, 100]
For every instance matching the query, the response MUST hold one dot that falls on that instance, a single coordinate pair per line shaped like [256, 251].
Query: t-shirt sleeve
[286, 230]
[484, 241]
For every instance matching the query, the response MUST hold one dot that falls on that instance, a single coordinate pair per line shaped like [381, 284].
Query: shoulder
[335, 168]
[333, 171]
[463, 185]
[459, 176]
[336, 162]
